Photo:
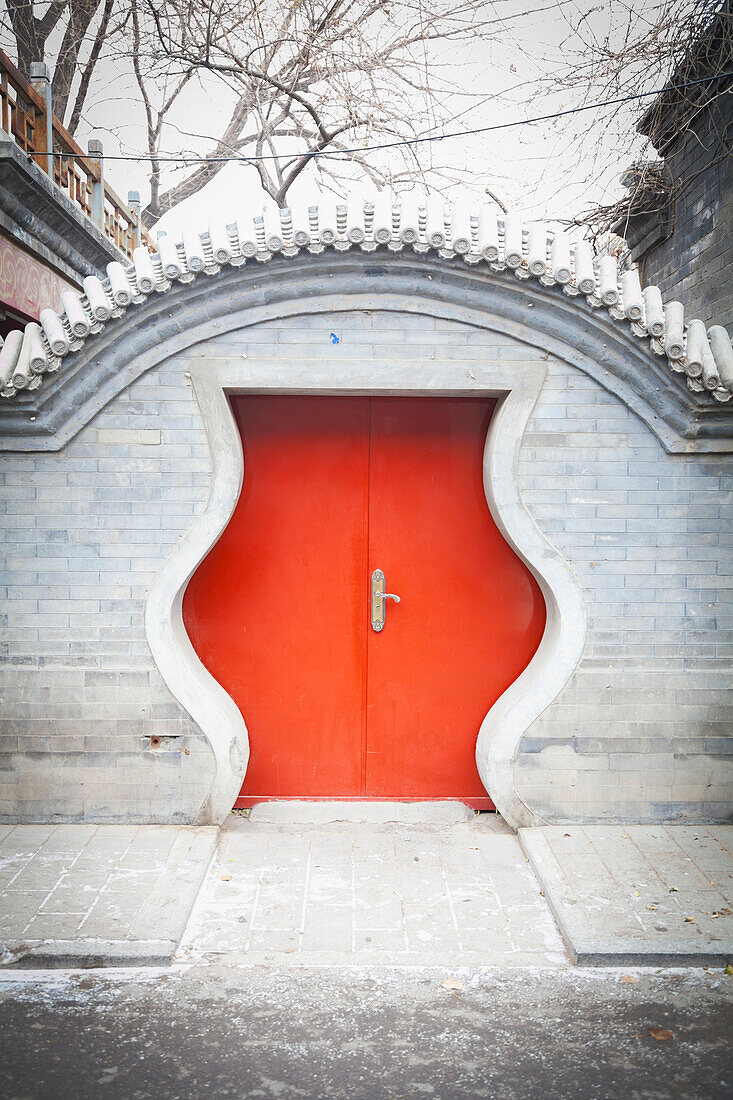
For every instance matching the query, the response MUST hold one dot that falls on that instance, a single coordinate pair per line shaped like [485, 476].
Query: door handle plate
[379, 600]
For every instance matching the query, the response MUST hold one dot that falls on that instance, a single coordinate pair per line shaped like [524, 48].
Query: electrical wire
[185, 158]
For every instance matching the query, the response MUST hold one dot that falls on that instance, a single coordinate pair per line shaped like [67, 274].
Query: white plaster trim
[562, 643]
[193, 686]
[519, 384]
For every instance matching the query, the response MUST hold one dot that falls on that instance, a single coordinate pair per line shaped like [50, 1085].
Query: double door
[347, 693]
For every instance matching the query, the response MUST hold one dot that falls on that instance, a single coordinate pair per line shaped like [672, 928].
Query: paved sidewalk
[375, 892]
[628, 895]
[98, 895]
[364, 893]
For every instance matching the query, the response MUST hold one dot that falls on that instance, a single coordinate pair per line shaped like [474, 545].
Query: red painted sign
[280, 611]
[26, 285]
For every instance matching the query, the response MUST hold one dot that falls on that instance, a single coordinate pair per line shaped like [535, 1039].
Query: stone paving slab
[631, 895]
[371, 893]
[98, 895]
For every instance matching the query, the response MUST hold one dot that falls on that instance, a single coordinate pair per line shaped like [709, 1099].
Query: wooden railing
[25, 112]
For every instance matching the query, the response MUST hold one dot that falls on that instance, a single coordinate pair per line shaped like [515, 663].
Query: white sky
[547, 171]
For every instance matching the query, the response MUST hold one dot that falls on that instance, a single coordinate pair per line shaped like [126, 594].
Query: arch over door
[280, 610]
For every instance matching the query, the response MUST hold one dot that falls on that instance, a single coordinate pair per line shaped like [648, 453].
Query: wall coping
[542, 317]
[428, 227]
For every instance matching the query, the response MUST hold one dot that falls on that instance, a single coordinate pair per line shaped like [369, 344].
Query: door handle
[379, 598]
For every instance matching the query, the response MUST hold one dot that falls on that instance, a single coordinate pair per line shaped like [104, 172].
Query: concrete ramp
[370, 893]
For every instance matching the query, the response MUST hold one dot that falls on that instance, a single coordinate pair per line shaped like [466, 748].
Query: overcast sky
[551, 170]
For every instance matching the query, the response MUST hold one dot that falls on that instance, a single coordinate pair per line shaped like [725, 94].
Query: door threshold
[299, 812]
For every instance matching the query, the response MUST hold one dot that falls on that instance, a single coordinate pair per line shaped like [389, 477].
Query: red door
[280, 610]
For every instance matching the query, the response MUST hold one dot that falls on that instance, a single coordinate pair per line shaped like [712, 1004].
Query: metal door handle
[379, 598]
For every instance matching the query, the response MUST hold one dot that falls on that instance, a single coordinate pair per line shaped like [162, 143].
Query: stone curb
[123, 939]
[81, 954]
[586, 949]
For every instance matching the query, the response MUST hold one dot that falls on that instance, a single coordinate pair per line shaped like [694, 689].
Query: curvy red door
[280, 610]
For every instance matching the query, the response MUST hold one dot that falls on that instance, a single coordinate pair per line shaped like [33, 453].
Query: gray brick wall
[695, 265]
[84, 531]
[640, 731]
[643, 729]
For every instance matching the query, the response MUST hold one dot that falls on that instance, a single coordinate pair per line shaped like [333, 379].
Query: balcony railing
[26, 116]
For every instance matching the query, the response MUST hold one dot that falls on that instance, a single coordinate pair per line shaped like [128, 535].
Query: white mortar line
[11, 830]
[448, 894]
[512, 948]
[62, 876]
[12, 880]
[305, 890]
[673, 838]
[671, 899]
[398, 869]
[622, 887]
[256, 902]
[353, 894]
[104, 886]
[31, 857]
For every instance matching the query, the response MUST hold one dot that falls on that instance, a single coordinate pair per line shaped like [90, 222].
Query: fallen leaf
[289, 950]
[689, 920]
[729, 970]
[673, 890]
[637, 894]
[722, 913]
[226, 878]
[566, 834]
[653, 908]
[452, 983]
[629, 978]
[661, 1034]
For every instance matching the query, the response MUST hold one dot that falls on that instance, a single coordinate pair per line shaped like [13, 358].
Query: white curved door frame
[517, 386]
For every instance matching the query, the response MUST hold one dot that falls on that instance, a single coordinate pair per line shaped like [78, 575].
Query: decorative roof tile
[477, 236]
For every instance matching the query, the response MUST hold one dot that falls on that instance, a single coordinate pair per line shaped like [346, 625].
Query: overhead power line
[185, 158]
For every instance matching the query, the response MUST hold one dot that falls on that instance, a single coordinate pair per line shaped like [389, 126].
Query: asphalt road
[273, 1033]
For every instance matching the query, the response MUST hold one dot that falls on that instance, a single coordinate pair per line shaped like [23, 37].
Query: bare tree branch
[89, 67]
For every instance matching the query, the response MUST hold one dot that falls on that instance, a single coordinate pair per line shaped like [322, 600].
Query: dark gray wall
[695, 264]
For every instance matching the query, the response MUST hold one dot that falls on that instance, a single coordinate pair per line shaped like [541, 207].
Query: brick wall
[695, 264]
[641, 730]
[84, 532]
